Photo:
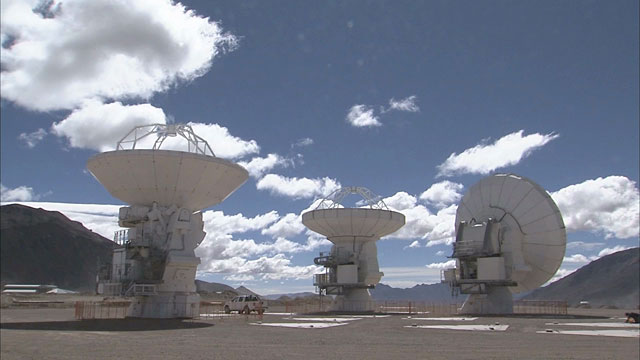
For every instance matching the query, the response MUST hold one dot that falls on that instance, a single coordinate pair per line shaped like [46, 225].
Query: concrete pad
[280, 314]
[443, 318]
[614, 333]
[325, 319]
[601, 324]
[463, 327]
[305, 325]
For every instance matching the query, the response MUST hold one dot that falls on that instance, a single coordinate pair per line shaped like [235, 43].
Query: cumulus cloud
[21, 193]
[562, 272]
[443, 194]
[362, 116]
[287, 226]
[224, 144]
[406, 104]
[576, 258]
[608, 205]
[268, 268]
[60, 56]
[99, 126]
[297, 188]
[414, 245]
[257, 166]
[443, 265]
[32, 139]
[420, 222]
[609, 251]
[485, 158]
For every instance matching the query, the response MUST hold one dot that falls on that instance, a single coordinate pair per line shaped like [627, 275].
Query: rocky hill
[204, 287]
[45, 247]
[612, 280]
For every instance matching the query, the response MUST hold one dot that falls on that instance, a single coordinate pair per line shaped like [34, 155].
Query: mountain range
[45, 247]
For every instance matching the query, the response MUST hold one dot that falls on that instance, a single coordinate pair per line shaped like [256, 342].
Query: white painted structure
[510, 238]
[351, 268]
[166, 190]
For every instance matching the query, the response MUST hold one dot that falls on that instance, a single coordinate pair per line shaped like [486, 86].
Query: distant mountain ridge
[435, 293]
[612, 280]
[46, 247]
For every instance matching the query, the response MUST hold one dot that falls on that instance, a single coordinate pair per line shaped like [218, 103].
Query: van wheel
[246, 310]
[227, 310]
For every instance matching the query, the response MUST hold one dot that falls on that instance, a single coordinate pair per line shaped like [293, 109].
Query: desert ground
[54, 333]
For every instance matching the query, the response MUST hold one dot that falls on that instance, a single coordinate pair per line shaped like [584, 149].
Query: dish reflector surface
[534, 217]
[353, 222]
[189, 180]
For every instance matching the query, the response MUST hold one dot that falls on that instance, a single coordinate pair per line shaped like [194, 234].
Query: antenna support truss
[195, 144]
[334, 200]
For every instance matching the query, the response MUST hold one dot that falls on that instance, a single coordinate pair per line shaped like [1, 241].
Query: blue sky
[400, 97]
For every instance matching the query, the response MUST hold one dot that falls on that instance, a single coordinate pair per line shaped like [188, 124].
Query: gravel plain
[53, 333]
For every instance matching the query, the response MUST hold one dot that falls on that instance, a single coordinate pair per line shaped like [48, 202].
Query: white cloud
[100, 126]
[583, 245]
[420, 223]
[442, 194]
[224, 144]
[32, 139]
[608, 205]
[217, 223]
[361, 116]
[269, 268]
[414, 244]
[287, 226]
[576, 258]
[609, 251]
[443, 265]
[562, 272]
[21, 193]
[303, 142]
[297, 188]
[103, 49]
[406, 104]
[440, 253]
[257, 166]
[485, 158]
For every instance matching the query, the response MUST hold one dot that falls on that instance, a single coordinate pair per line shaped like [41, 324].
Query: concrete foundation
[497, 300]
[354, 300]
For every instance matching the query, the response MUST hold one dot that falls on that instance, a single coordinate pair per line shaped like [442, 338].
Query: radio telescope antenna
[195, 143]
[334, 200]
[510, 238]
[351, 268]
[166, 190]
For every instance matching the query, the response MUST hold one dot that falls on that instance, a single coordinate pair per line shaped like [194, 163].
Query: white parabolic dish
[529, 215]
[189, 180]
[360, 222]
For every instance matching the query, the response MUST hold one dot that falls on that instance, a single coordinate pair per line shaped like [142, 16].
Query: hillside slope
[612, 280]
[45, 247]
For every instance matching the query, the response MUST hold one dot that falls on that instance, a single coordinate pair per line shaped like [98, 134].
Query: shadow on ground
[108, 325]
